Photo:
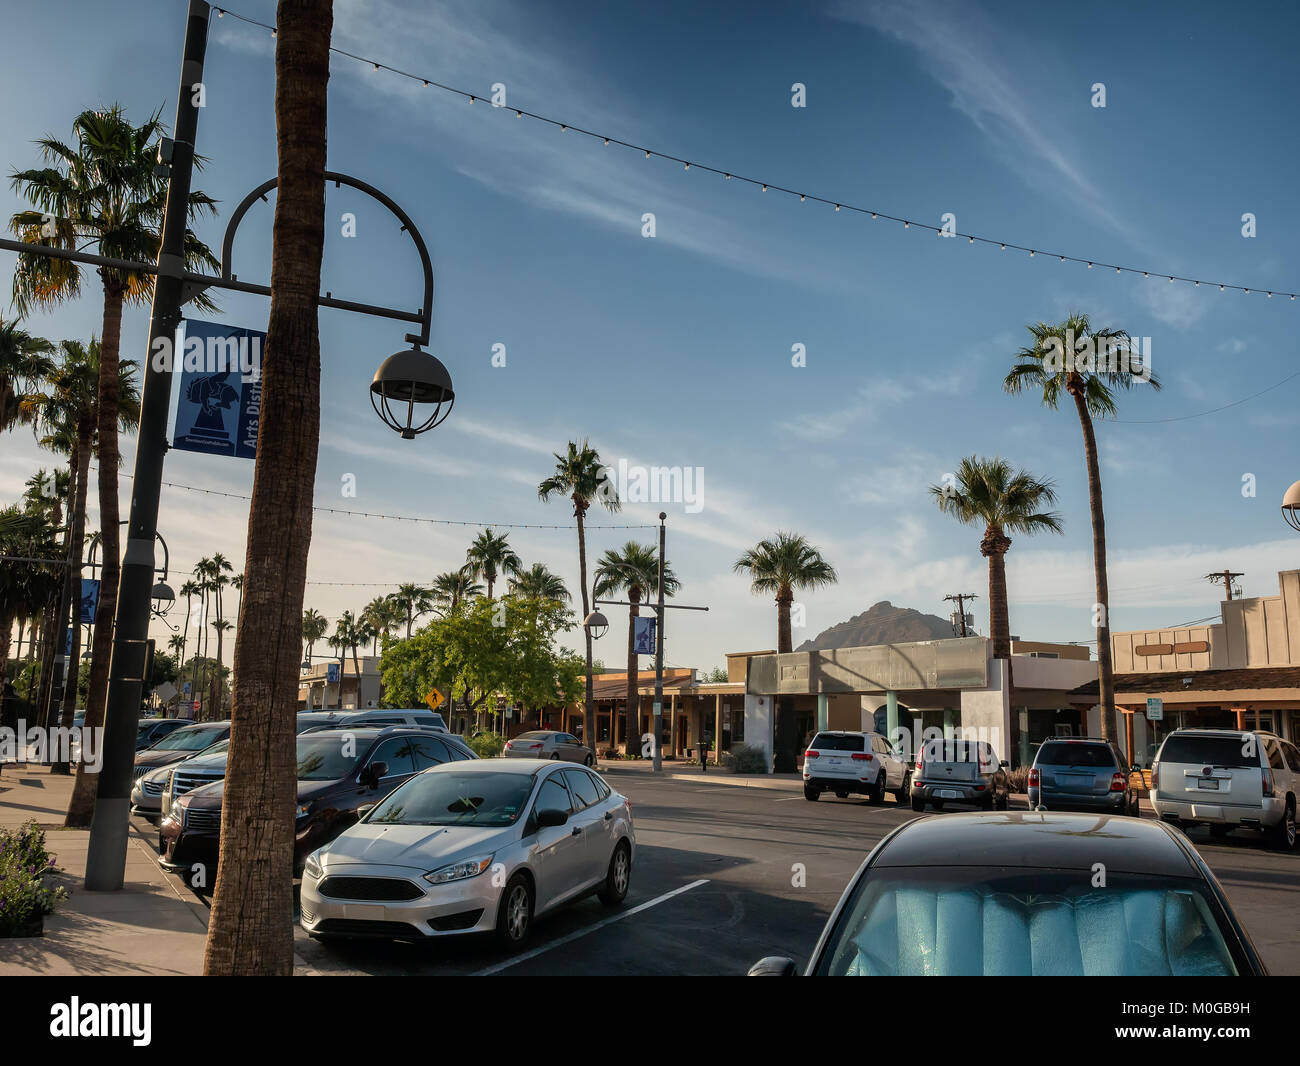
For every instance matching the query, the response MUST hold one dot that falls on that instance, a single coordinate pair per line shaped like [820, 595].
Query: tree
[215, 571]
[102, 190]
[780, 566]
[580, 475]
[314, 627]
[490, 556]
[382, 615]
[24, 362]
[349, 631]
[25, 588]
[452, 588]
[539, 583]
[635, 569]
[1057, 362]
[413, 601]
[990, 492]
[247, 930]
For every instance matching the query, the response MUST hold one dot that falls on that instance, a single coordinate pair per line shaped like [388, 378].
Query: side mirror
[774, 966]
[371, 775]
[364, 809]
[1004, 763]
[551, 816]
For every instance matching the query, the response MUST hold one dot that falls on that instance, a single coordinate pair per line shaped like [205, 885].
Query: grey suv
[1081, 772]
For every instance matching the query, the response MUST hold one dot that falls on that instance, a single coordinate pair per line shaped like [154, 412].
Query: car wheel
[1002, 802]
[619, 877]
[555, 757]
[589, 761]
[842, 795]
[877, 793]
[918, 801]
[937, 804]
[515, 914]
[1220, 831]
[810, 793]
[1284, 831]
[900, 796]
[986, 804]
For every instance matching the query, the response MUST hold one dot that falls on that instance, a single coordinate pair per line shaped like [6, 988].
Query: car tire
[1284, 833]
[900, 797]
[918, 801]
[515, 912]
[842, 795]
[810, 793]
[987, 803]
[937, 804]
[589, 761]
[1220, 831]
[877, 794]
[1002, 802]
[619, 877]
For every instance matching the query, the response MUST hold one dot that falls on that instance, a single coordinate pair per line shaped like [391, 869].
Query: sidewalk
[149, 927]
[680, 770]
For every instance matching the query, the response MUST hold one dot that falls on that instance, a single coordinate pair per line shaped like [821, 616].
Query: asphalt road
[726, 875]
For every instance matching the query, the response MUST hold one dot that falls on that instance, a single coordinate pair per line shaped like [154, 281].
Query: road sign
[165, 691]
[434, 699]
[332, 673]
[643, 636]
[1155, 710]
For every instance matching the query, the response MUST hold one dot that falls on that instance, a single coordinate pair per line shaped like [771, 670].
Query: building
[1242, 672]
[316, 692]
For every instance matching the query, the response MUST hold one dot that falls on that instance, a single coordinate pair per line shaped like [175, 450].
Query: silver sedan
[470, 847]
[549, 744]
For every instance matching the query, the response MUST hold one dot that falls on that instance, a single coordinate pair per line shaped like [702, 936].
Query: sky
[676, 349]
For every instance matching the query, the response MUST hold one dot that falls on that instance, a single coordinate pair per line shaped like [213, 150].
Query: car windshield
[1056, 753]
[190, 738]
[217, 748]
[974, 921]
[329, 757]
[491, 799]
[833, 742]
[1230, 751]
[532, 736]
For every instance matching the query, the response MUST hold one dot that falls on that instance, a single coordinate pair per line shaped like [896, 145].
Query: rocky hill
[881, 624]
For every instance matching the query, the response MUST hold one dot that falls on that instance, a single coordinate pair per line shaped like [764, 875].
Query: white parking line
[590, 929]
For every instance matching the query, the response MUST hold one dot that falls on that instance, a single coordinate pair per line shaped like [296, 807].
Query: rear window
[1057, 754]
[834, 742]
[1232, 751]
[939, 750]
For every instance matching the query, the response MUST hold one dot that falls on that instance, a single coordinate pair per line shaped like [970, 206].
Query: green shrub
[25, 898]
[746, 759]
[486, 745]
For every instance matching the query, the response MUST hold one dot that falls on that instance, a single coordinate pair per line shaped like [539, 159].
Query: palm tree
[349, 632]
[1040, 369]
[579, 475]
[413, 600]
[540, 583]
[314, 627]
[247, 931]
[452, 588]
[382, 615]
[490, 556]
[102, 190]
[636, 569]
[1003, 500]
[218, 567]
[780, 566]
[24, 361]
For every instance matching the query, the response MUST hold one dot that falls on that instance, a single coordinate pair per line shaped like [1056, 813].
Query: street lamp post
[1291, 507]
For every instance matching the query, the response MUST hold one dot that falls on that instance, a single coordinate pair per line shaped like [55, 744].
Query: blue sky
[676, 350]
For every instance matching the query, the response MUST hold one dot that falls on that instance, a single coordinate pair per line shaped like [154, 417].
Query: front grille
[308, 915]
[138, 771]
[366, 927]
[368, 888]
[202, 820]
[463, 920]
[187, 780]
[152, 788]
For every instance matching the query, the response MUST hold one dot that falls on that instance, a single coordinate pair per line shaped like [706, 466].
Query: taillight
[538, 745]
[1118, 782]
[1155, 775]
[810, 754]
[1268, 780]
[1035, 777]
[861, 757]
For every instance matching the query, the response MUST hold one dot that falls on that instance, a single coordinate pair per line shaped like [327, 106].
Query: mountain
[881, 624]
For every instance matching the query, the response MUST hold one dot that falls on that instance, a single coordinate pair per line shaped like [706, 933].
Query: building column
[672, 725]
[717, 727]
[949, 723]
[823, 711]
[891, 715]
[1022, 717]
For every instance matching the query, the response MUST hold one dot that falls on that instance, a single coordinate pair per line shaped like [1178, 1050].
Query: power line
[1199, 414]
[730, 175]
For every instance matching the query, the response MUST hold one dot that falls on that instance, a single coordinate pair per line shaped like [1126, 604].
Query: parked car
[959, 771]
[421, 716]
[335, 778]
[1016, 895]
[1082, 772]
[859, 763]
[149, 793]
[152, 730]
[1228, 779]
[549, 744]
[472, 847]
[184, 742]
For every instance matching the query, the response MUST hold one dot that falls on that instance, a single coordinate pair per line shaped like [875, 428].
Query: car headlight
[458, 871]
[312, 866]
[304, 809]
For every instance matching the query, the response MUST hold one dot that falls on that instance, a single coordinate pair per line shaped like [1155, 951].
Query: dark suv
[1081, 772]
[339, 770]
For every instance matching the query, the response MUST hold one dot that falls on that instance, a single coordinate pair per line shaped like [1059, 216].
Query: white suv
[1228, 779]
[864, 763]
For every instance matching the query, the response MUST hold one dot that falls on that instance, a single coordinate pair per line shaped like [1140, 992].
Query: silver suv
[1228, 779]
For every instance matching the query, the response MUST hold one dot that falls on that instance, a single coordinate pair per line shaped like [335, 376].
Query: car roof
[503, 766]
[1221, 732]
[1038, 840]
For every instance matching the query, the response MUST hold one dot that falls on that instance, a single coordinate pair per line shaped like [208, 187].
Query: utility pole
[659, 652]
[960, 599]
[1227, 577]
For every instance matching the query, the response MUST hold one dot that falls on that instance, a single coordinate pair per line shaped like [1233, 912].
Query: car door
[397, 752]
[892, 763]
[427, 752]
[559, 851]
[566, 745]
[589, 815]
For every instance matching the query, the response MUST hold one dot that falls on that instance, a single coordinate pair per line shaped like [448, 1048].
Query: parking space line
[590, 929]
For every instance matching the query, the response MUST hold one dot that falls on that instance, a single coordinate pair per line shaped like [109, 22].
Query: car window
[322, 757]
[1292, 757]
[459, 753]
[1274, 755]
[838, 742]
[191, 738]
[568, 738]
[428, 751]
[456, 798]
[1235, 751]
[553, 794]
[397, 752]
[1059, 753]
[583, 787]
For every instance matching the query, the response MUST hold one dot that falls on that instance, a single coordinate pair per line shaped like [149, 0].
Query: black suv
[339, 770]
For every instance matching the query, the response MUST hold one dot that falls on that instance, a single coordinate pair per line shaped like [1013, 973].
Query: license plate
[947, 794]
[832, 762]
[1209, 782]
[363, 911]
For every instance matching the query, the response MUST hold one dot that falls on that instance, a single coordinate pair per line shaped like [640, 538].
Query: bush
[1019, 779]
[25, 899]
[486, 745]
[747, 759]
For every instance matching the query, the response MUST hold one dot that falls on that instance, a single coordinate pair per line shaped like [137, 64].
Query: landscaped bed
[26, 894]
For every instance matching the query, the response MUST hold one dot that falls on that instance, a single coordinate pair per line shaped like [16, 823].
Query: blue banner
[220, 369]
[643, 636]
[89, 600]
[332, 673]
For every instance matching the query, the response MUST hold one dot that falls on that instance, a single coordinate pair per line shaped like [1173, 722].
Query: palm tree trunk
[82, 805]
[632, 712]
[1105, 666]
[72, 592]
[589, 704]
[994, 548]
[784, 758]
[249, 931]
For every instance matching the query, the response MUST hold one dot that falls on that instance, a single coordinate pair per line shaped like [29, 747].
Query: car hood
[423, 847]
[150, 757]
[209, 796]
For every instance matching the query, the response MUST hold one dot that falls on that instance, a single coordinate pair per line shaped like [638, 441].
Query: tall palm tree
[102, 190]
[247, 933]
[580, 475]
[781, 565]
[452, 588]
[314, 627]
[24, 362]
[413, 600]
[540, 583]
[382, 615]
[219, 568]
[491, 556]
[350, 631]
[635, 569]
[991, 493]
[1038, 369]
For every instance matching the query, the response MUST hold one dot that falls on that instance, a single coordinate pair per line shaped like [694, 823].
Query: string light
[221, 12]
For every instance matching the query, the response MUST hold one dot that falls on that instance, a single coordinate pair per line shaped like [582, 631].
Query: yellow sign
[434, 699]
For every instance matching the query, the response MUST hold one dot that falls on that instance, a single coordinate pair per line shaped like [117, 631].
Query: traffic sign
[1155, 710]
[434, 699]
